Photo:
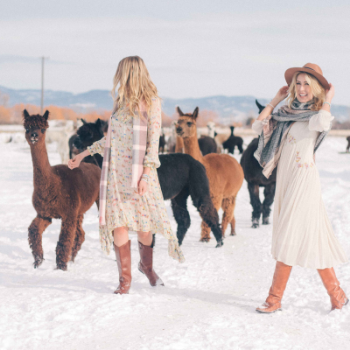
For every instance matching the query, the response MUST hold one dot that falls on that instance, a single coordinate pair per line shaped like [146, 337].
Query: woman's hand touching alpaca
[75, 162]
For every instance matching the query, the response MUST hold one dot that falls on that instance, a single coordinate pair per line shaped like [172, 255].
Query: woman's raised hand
[330, 93]
[281, 94]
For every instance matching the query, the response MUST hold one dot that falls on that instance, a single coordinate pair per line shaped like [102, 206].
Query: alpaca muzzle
[179, 131]
[34, 137]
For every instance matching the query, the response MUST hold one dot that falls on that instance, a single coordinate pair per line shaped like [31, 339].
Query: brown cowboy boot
[146, 264]
[330, 281]
[124, 266]
[279, 283]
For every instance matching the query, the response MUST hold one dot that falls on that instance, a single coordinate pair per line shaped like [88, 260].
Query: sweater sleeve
[153, 133]
[97, 147]
[320, 121]
[257, 126]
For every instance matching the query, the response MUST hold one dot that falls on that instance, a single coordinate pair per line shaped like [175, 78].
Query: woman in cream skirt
[302, 233]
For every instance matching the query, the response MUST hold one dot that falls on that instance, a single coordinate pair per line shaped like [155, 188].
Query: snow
[208, 302]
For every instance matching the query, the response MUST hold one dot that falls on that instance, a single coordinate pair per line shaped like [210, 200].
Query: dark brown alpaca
[59, 193]
[224, 173]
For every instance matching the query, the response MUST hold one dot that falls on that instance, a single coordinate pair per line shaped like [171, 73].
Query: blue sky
[192, 48]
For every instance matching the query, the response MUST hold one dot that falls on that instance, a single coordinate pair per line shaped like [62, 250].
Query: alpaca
[207, 145]
[224, 173]
[348, 146]
[161, 142]
[212, 133]
[181, 176]
[232, 142]
[86, 136]
[172, 139]
[63, 142]
[255, 179]
[59, 193]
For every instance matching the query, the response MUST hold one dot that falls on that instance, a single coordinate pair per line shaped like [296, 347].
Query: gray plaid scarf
[275, 130]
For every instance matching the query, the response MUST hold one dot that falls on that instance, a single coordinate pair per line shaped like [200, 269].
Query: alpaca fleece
[59, 193]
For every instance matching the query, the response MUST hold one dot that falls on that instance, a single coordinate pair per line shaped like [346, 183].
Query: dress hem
[284, 261]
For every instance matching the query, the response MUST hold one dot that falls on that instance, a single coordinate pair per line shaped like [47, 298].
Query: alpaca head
[186, 124]
[35, 127]
[88, 134]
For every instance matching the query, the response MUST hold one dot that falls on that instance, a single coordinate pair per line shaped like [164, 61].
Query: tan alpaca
[225, 174]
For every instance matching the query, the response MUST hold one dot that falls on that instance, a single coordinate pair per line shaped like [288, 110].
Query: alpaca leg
[205, 235]
[181, 215]
[240, 147]
[79, 237]
[256, 204]
[35, 232]
[228, 206]
[66, 241]
[269, 193]
[210, 216]
[97, 201]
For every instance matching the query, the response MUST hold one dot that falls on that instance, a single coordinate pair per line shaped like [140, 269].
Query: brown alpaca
[225, 174]
[59, 193]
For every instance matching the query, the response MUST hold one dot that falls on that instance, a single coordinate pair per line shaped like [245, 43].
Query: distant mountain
[229, 108]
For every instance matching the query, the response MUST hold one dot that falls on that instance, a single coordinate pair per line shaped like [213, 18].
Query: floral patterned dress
[125, 207]
[302, 233]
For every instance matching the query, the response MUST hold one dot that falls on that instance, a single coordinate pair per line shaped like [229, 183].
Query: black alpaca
[348, 146]
[255, 179]
[181, 176]
[86, 136]
[232, 142]
[161, 143]
[207, 145]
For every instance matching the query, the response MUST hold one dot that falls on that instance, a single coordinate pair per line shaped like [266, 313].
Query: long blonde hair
[135, 84]
[317, 90]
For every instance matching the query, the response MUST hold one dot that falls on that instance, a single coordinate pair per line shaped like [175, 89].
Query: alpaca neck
[179, 146]
[232, 132]
[41, 165]
[192, 148]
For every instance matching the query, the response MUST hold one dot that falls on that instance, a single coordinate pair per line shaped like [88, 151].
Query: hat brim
[291, 71]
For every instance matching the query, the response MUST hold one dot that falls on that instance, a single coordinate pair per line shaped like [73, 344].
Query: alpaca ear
[179, 111]
[195, 113]
[26, 114]
[98, 122]
[261, 107]
[83, 120]
[46, 115]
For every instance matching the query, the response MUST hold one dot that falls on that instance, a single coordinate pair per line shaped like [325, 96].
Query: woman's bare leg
[121, 236]
[145, 238]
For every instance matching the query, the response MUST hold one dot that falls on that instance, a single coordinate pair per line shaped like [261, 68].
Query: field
[208, 302]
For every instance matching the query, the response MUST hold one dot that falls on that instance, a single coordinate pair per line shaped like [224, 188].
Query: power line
[42, 83]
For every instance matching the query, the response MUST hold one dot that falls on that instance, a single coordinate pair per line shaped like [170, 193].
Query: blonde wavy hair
[317, 90]
[135, 84]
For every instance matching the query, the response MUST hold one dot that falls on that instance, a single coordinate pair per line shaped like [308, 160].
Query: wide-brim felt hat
[309, 68]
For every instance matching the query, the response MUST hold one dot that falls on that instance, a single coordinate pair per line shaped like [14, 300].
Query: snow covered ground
[208, 302]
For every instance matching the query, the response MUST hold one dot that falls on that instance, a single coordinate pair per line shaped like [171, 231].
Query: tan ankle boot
[279, 283]
[124, 266]
[146, 265]
[330, 281]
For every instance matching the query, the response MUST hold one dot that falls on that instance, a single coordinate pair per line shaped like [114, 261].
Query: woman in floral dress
[302, 233]
[139, 207]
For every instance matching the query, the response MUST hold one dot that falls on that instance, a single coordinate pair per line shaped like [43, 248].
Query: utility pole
[42, 83]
